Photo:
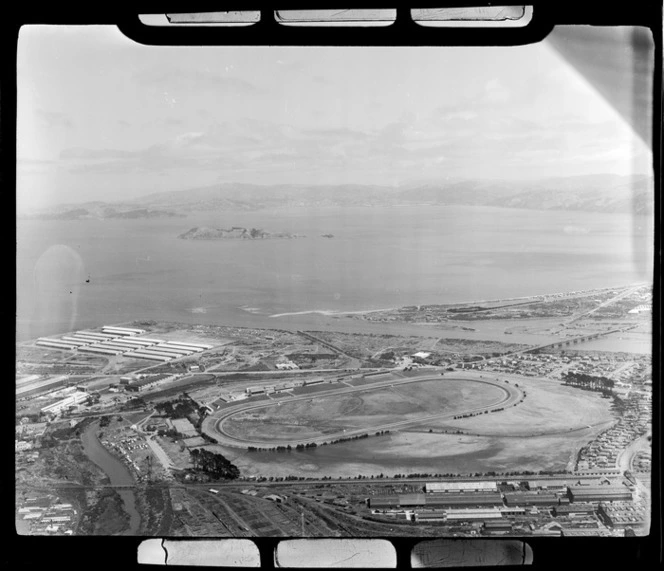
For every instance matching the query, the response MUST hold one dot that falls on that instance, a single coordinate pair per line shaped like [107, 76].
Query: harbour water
[75, 274]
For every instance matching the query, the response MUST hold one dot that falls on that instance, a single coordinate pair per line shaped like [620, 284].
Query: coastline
[533, 298]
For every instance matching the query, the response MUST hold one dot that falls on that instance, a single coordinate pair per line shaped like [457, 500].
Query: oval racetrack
[213, 425]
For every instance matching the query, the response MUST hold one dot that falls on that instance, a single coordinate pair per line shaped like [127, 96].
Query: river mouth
[117, 472]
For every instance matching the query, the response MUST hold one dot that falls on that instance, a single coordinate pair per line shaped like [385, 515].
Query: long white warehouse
[77, 342]
[134, 342]
[164, 353]
[97, 335]
[102, 351]
[171, 349]
[72, 399]
[144, 356]
[123, 333]
[183, 344]
[183, 347]
[55, 344]
[128, 330]
[112, 346]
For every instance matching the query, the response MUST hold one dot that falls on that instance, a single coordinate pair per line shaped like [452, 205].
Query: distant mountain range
[592, 193]
[103, 211]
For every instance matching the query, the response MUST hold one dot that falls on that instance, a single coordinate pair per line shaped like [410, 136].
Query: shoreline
[533, 298]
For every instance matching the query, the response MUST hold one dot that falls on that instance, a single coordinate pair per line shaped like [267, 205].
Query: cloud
[336, 134]
[80, 153]
[455, 140]
[196, 79]
[55, 119]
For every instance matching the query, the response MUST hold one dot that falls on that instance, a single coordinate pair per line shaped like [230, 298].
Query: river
[116, 471]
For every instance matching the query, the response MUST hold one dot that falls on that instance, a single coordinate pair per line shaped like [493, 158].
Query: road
[626, 457]
[160, 454]
[243, 484]
[625, 462]
[213, 424]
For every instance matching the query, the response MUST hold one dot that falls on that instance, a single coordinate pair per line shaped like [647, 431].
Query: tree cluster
[215, 465]
[589, 382]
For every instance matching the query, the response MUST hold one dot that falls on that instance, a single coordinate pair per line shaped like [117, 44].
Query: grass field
[544, 432]
[322, 415]
[549, 408]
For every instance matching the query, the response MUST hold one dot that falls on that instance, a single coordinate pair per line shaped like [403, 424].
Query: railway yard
[521, 417]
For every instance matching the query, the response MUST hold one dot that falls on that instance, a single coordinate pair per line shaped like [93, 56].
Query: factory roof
[605, 490]
[458, 486]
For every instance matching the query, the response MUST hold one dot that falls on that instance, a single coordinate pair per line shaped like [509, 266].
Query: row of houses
[634, 421]
[46, 515]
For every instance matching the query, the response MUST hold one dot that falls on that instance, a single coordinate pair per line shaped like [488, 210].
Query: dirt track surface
[213, 425]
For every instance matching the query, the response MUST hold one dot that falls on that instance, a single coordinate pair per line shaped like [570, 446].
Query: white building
[59, 406]
[461, 486]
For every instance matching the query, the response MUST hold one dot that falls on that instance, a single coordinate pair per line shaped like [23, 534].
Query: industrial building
[100, 351]
[460, 515]
[137, 342]
[552, 484]
[573, 510]
[122, 330]
[497, 526]
[467, 514]
[169, 349]
[123, 341]
[110, 345]
[199, 345]
[148, 382]
[94, 335]
[434, 515]
[55, 343]
[158, 353]
[621, 515]
[77, 342]
[467, 500]
[530, 499]
[59, 406]
[461, 487]
[153, 357]
[599, 494]
[190, 348]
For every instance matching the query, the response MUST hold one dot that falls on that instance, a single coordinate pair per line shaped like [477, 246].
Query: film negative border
[75, 552]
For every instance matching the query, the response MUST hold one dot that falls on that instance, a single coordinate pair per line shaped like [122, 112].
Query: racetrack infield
[373, 407]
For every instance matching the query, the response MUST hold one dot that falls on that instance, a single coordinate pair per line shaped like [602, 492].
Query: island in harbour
[234, 233]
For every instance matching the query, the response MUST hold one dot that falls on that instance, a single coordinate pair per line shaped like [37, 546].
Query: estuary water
[117, 473]
[76, 274]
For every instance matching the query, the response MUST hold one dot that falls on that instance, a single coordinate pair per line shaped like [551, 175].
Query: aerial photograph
[329, 291]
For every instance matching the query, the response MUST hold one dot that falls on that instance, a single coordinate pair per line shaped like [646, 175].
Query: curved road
[213, 424]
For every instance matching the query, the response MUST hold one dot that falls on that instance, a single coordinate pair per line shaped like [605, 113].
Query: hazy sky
[103, 118]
